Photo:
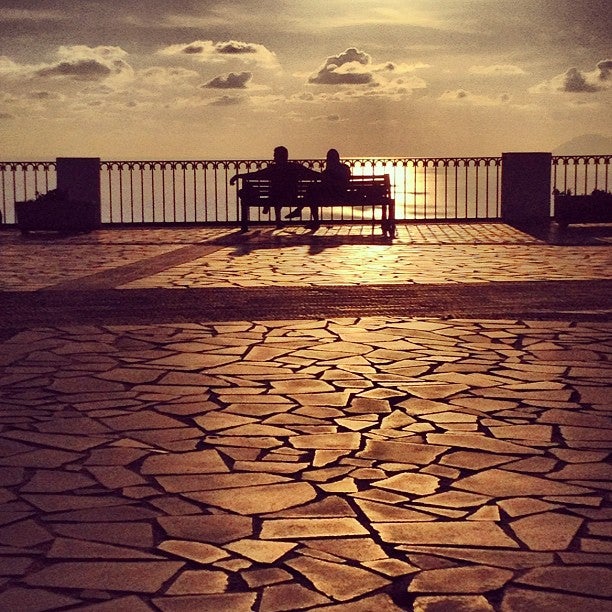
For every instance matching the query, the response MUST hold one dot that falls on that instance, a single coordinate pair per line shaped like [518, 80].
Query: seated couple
[331, 185]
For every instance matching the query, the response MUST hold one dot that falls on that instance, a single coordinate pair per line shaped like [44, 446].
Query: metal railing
[21, 181]
[152, 192]
[581, 174]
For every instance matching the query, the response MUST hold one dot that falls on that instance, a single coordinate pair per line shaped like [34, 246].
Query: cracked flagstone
[307, 464]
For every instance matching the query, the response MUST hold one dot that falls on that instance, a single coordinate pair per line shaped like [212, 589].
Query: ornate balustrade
[581, 173]
[199, 191]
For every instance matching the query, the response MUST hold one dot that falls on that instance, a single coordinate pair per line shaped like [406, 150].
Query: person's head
[333, 156]
[281, 154]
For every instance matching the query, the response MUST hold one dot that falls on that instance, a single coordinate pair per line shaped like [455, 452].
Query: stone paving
[293, 257]
[42, 260]
[340, 463]
[351, 264]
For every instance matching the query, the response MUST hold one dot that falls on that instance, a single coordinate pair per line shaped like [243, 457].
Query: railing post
[79, 179]
[526, 188]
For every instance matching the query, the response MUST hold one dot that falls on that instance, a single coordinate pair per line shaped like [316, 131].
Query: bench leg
[248, 196]
[384, 223]
[244, 215]
[314, 223]
[388, 220]
[392, 231]
[277, 216]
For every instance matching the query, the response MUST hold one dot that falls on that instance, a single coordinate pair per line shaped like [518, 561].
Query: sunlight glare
[361, 12]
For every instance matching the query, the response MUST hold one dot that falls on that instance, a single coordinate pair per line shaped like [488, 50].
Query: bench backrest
[370, 189]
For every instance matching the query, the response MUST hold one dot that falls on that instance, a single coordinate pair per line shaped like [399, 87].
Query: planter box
[594, 208]
[52, 212]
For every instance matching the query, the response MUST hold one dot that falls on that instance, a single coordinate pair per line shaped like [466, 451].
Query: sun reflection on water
[436, 190]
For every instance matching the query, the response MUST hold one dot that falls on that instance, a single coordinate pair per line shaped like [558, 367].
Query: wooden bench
[363, 192]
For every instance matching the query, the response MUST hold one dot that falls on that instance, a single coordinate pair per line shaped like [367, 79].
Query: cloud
[10, 68]
[78, 63]
[347, 68]
[463, 96]
[43, 95]
[14, 14]
[574, 80]
[305, 96]
[227, 101]
[209, 51]
[497, 70]
[233, 47]
[605, 69]
[81, 70]
[231, 81]
[305, 118]
[359, 76]
[162, 76]
[332, 118]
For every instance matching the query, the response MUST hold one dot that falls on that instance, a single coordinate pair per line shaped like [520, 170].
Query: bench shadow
[289, 236]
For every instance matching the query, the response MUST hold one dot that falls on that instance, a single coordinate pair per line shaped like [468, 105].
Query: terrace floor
[193, 419]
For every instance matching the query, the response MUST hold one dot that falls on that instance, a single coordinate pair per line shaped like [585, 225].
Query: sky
[232, 79]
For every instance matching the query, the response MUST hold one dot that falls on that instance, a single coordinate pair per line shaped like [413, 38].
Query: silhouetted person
[284, 176]
[332, 187]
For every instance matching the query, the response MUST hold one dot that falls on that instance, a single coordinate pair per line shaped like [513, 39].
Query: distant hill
[587, 144]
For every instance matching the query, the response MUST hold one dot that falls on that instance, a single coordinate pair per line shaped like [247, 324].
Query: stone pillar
[526, 188]
[79, 179]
